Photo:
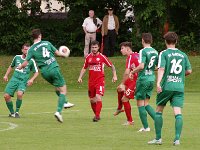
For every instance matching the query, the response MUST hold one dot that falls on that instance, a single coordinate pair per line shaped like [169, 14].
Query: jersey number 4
[176, 66]
[45, 52]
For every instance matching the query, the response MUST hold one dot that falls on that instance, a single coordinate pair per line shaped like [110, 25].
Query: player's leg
[98, 107]
[120, 94]
[9, 92]
[92, 97]
[9, 104]
[127, 108]
[67, 104]
[149, 109]
[18, 103]
[177, 104]
[158, 123]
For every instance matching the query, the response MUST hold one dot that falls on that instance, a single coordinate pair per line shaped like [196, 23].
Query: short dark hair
[171, 38]
[35, 33]
[94, 43]
[126, 44]
[25, 44]
[147, 37]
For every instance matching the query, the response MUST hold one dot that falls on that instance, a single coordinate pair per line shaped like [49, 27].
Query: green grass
[38, 130]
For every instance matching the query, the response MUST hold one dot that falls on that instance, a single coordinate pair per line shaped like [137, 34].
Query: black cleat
[96, 119]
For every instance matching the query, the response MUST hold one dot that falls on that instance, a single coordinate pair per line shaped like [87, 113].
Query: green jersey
[148, 56]
[43, 53]
[175, 63]
[23, 74]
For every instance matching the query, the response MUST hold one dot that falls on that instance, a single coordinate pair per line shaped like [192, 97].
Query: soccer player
[148, 58]
[19, 81]
[173, 66]
[43, 53]
[95, 61]
[126, 89]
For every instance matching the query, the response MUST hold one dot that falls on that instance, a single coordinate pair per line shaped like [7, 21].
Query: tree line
[157, 17]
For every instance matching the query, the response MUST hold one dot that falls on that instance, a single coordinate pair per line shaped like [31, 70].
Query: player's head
[110, 10]
[25, 48]
[147, 38]
[91, 13]
[171, 38]
[94, 47]
[36, 34]
[126, 48]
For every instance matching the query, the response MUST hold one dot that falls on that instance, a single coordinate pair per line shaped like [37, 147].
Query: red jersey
[132, 62]
[96, 63]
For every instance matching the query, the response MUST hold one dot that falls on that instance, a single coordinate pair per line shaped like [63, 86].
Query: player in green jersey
[19, 81]
[148, 58]
[43, 52]
[173, 66]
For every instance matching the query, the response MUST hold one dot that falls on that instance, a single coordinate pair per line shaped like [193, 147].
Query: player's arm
[159, 79]
[57, 53]
[83, 70]
[114, 79]
[138, 68]
[188, 72]
[30, 82]
[7, 73]
[23, 65]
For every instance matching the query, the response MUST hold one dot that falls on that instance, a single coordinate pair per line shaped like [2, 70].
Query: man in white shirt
[90, 25]
[110, 27]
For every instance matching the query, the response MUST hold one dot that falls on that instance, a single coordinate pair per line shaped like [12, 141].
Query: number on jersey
[45, 52]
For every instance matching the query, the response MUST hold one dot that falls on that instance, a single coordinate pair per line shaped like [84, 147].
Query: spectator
[90, 25]
[110, 27]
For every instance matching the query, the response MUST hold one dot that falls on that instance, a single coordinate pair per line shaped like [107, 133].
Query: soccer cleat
[128, 123]
[118, 112]
[176, 142]
[144, 130]
[155, 142]
[96, 119]
[12, 115]
[17, 115]
[68, 105]
[58, 117]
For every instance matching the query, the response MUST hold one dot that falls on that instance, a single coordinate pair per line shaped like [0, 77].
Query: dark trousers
[109, 43]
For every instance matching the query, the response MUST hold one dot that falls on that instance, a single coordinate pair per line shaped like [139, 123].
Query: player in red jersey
[95, 61]
[126, 89]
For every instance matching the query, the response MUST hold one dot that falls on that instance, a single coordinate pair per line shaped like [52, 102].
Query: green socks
[58, 94]
[143, 116]
[18, 104]
[10, 107]
[150, 111]
[158, 122]
[178, 126]
[61, 102]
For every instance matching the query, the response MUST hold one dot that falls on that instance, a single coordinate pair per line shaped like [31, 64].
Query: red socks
[120, 95]
[98, 108]
[127, 108]
[93, 106]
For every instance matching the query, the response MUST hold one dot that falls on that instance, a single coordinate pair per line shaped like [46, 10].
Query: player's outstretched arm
[81, 75]
[188, 72]
[30, 82]
[59, 53]
[138, 68]
[23, 65]
[114, 79]
[5, 78]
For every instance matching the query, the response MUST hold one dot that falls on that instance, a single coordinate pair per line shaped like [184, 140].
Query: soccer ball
[64, 50]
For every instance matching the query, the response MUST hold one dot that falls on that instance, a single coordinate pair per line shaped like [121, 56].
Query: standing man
[95, 61]
[126, 89]
[19, 81]
[43, 53]
[110, 27]
[148, 60]
[90, 25]
[173, 66]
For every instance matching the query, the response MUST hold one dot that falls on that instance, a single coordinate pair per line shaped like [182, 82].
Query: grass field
[37, 128]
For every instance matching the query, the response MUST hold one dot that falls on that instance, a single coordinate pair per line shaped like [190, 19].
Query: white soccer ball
[64, 50]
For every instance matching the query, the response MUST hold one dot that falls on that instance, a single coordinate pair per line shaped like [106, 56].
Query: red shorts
[129, 88]
[94, 89]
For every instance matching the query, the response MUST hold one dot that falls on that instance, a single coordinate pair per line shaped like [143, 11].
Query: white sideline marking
[47, 112]
[11, 126]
